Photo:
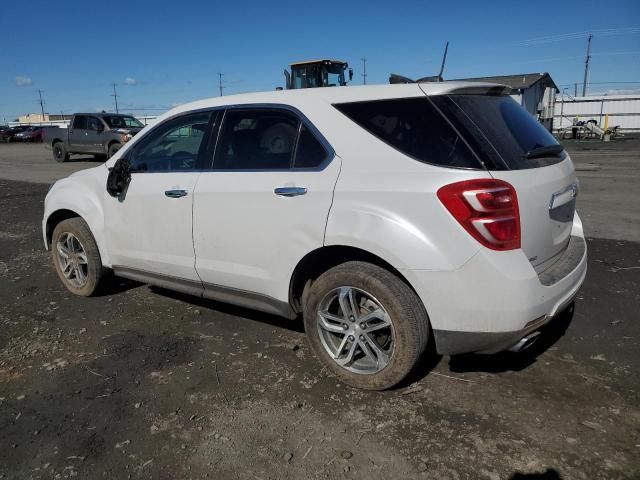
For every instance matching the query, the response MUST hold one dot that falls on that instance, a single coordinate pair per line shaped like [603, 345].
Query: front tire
[60, 153]
[76, 257]
[365, 325]
[113, 148]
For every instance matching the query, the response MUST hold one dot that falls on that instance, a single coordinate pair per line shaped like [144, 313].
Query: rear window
[499, 130]
[414, 127]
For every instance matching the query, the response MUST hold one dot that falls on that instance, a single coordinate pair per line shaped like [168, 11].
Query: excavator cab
[317, 73]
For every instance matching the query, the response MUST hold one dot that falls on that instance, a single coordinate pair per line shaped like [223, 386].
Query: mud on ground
[145, 383]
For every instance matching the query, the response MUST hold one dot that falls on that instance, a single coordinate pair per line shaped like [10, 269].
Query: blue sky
[162, 53]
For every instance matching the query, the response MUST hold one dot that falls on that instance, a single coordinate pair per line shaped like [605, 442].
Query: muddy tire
[76, 258]
[113, 148]
[60, 153]
[365, 325]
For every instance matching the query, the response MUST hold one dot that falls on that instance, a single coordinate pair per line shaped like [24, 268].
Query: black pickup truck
[98, 134]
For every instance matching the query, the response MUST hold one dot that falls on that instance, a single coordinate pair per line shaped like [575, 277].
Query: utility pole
[575, 90]
[586, 66]
[364, 70]
[444, 59]
[115, 97]
[41, 104]
[220, 74]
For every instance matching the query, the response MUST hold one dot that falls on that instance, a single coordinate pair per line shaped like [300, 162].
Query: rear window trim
[482, 167]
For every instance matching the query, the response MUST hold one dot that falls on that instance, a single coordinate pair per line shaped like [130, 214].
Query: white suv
[383, 214]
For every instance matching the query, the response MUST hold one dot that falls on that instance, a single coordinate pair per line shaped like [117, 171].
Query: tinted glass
[510, 130]
[310, 152]
[173, 146]
[80, 122]
[93, 123]
[261, 139]
[414, 127]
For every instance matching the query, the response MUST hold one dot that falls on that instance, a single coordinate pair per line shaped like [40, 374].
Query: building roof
[516, 82]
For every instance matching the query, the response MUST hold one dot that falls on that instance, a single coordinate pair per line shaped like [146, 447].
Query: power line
[115, 97]
[364, 70]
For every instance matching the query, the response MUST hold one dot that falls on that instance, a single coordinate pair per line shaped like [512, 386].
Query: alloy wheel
[72, 259]
[355, 330]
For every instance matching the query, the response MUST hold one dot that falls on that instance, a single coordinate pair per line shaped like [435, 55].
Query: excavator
[317, 73]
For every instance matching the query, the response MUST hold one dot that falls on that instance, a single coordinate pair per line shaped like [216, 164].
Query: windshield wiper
[548, 151]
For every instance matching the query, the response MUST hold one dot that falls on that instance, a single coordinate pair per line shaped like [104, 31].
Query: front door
[150, 224]
[266, 202]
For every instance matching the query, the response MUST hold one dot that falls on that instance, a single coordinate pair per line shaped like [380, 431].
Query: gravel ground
[145, 383]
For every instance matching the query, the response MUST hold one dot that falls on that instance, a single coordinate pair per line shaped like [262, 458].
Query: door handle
[175, 193]
[290, 191]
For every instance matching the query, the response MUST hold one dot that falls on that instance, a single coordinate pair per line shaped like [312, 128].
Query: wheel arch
[318, 261]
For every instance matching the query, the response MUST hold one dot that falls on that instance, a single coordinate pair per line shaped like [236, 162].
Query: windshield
[502, 132]
[121, 121]
[333, 75]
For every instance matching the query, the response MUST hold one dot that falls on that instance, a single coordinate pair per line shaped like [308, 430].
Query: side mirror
[119, 177]
[350, 74]
[100, 128]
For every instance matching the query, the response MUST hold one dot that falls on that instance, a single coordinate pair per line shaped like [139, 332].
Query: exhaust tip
[525, 342]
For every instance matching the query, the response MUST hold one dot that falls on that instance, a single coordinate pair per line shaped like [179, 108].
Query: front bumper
[497, 298]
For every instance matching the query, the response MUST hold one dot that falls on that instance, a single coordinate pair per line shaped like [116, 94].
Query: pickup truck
[98, 134]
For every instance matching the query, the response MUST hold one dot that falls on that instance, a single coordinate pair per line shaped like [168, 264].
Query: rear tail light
[487, 209]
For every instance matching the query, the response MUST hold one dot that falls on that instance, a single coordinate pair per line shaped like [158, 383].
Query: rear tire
[76, 257]
[383, 336]
[60, 153]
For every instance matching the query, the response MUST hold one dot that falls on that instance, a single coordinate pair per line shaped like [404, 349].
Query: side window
[175, 145]
[414, 127]
[93, 123]
[310, 152]
[80, 122]
[256, 139]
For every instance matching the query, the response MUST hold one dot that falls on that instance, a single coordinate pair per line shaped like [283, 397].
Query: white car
[383, 215]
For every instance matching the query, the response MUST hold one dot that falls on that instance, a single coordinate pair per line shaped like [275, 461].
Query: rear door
[520, 151]
[77, 131]
[93, 136]
[265, 203]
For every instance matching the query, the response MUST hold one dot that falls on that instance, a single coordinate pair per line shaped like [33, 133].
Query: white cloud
[130, 81]
[23, 81]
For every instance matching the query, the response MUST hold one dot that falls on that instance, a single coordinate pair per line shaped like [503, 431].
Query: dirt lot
[145, 383]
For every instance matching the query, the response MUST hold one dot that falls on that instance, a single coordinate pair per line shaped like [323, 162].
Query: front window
[176, 145]
[122, 121]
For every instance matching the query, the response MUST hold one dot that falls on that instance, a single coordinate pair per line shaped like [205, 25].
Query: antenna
[364, 70]
[220, 74]
[444, 59]
[41, 104]
[586, 66]
[115, 97]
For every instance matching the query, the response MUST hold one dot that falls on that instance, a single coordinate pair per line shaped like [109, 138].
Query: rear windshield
[499, 130]
[414, 127]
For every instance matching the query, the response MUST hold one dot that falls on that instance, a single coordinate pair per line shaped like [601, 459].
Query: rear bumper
[497, 298]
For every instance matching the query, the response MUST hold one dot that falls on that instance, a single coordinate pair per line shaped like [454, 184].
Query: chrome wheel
[355, 330]
[72, 260]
